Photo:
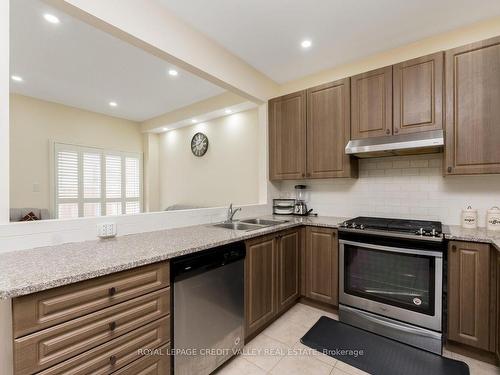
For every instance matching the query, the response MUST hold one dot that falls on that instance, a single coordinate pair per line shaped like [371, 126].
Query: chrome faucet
[231, 212]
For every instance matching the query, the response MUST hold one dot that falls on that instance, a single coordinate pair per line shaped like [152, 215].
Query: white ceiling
[75, 64]
[267, 33]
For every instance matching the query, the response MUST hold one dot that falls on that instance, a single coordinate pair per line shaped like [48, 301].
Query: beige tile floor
[277, 350]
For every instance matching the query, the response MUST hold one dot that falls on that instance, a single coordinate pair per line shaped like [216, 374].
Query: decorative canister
[469, 218]
[493, 218]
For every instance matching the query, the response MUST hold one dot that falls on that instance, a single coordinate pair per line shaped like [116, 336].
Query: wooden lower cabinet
[498, 305]
[321, 265]
[469, 305]
[260, 283]
[155, 363]
[96, 326]
[272, 282]
[288, 269]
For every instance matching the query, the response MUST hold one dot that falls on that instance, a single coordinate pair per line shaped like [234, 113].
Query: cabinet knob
[453, 248]
[112, 291]
[396, 131]
[303, 175]
[112, 326]
[308, 175]
[387, 131]
[112, 360]
[449, 169]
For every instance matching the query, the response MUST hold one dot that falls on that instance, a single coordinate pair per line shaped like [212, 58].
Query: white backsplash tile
[403, 186]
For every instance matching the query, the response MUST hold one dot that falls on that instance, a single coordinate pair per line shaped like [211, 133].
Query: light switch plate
[106, 230]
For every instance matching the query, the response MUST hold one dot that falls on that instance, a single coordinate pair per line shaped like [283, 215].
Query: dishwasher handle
[204, 261]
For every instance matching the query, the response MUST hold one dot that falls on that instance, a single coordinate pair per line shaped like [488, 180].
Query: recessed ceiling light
[164, 129]
[113, 104]
[173, 72]
[194, 121]
[17, 78]
[228, 111]
[306, 43]
[51, 18]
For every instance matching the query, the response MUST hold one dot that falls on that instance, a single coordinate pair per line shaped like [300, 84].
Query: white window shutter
[113, 176]
[93, 182]
[67, 175]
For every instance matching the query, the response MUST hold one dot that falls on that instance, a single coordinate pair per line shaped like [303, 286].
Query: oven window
[398, 279]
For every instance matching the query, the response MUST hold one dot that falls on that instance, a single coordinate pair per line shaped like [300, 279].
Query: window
[95, 182]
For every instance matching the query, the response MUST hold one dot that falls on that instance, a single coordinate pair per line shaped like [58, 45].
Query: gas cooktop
[409, 227]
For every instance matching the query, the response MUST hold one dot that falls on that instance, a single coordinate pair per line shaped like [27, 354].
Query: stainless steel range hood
[405, 144]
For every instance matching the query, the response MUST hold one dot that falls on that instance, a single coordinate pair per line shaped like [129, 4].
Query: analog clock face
[199, 144]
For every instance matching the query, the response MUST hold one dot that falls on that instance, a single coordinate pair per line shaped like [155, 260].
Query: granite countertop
[28, 271]
[456, 232]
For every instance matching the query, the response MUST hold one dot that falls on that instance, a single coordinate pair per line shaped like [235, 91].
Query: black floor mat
[380, 355]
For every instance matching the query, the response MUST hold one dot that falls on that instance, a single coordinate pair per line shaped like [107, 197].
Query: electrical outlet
[106, 230]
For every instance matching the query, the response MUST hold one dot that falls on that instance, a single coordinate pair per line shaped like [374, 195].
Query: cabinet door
[260, 283]
[288, 269]
[287, 137]
[468, 293]
[472, 108]
[498, 305]
[328, 131]
[371, 104]
[322, 265]
[418, 94]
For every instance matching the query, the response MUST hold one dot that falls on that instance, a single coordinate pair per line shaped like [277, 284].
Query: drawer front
[116, 354]
[34, 312]
[53, 345]
[158, 363]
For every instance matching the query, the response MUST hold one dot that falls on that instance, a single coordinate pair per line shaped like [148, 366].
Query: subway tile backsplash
[403, 186]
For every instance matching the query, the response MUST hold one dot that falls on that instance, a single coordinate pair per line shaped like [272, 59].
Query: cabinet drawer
[116, 354]
[156, 364]
[37, 311]
[53, 345]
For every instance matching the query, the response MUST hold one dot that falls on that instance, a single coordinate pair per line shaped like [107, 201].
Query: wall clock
[199, 144]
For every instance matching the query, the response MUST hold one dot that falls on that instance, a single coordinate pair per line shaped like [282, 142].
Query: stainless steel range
[391, 279]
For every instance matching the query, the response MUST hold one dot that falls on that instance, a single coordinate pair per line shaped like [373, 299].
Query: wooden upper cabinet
[469, 294]
[328, 131]
[473, 108]
[288, 268]
[287, 137]
[371, 104]
[322, 265]
[418, 94]
[260, 283]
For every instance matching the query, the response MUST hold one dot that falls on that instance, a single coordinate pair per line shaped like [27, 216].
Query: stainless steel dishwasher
[208, 308]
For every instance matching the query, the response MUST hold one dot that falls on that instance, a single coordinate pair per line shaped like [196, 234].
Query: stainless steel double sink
[250, 224]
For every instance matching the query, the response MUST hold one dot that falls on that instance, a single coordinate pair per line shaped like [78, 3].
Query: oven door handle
[434, 254]
[399, 327]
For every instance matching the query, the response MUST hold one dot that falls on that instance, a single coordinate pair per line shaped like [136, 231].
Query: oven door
[400, 283]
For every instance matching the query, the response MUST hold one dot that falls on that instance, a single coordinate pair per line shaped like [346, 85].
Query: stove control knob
[344, 224]
[354, 225]
[361, 227]
[421, 232]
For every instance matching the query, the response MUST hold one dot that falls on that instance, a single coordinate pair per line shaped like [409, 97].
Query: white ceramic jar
[493, 218]
[469, 218]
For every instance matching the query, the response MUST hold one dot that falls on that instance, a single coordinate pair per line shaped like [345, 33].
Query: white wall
[403, 187]
[228, 172]
[34, 123]
[151, 26]
[4, 112]
[151, 172]
[455, 38]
